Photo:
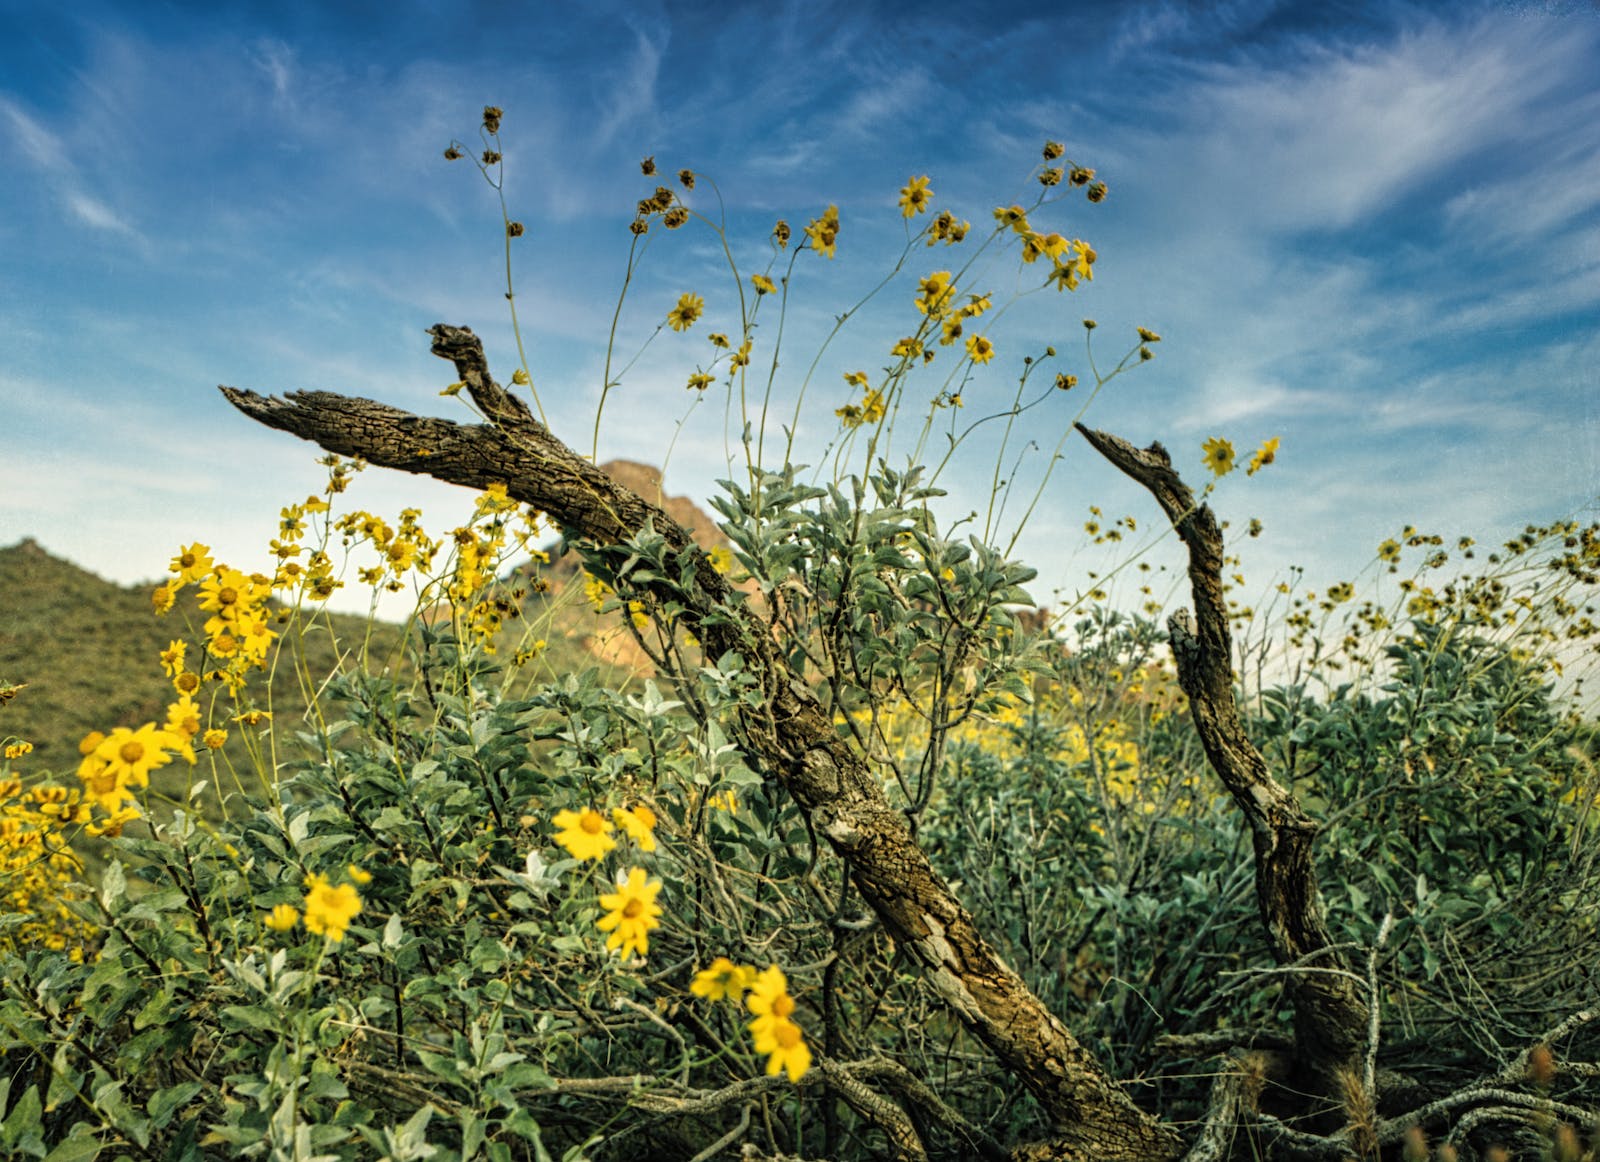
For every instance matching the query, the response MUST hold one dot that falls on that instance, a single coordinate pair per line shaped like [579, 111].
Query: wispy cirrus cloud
[51, 159]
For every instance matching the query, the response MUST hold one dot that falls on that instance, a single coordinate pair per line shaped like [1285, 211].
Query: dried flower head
[648, 167]
[453, 154]
[1541, 1065]
[1096, 192]
[514, 229]
[675, 217]
[780, 233]
[638, 226]
[686, 176]
[1053, 150]
[490, 157]
[1050, 177]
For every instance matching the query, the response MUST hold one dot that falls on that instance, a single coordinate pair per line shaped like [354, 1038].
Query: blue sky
[1368, 229]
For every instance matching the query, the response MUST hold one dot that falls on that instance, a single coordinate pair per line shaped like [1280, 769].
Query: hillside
[87, 649]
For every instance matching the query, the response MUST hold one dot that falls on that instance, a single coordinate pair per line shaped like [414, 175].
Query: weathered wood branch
[1331, 1012]
[793, 739]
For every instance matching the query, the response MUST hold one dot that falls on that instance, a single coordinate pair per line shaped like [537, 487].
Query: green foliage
[411, 934]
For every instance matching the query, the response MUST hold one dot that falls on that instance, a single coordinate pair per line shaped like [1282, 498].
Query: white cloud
[277, 61]
[1335, 133]
[38, 145]
[93, 212]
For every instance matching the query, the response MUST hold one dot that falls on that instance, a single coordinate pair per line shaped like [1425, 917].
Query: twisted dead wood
[1331, 1012]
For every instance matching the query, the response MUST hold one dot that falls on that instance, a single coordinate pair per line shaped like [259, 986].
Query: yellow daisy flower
[723, 980]
[639, 822]
[915, 197]
[631, 913]
[283, 917]
[584, 834]
[690, 307]
[330, 909]
[1218, 455]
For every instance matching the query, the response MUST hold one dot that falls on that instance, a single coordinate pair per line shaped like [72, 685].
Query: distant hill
[88, 650]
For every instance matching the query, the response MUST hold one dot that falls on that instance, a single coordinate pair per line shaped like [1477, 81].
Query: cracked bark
[794, 739]
[1331, 1015]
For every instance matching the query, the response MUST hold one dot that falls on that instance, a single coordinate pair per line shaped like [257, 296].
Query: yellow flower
[721, 559]
[1014, 216]
[330, 909]
[934, 293]
[16, 750]
[191, 564]
[1388, 551]
[186, 682]
[130, 755]
[824, 232]
[856, 378]
[763, 284]
[115, 822]
[1264, 455]
[718, 339]
[521, 378]
[183, 719]
[631, 913]
[162, 598]
[640, 823]
[358, 876]
[585, 835]
[980, 349]
[1218, 455]
[1148, 336]
[769, 1000]
[723, 980]
[223, 593]
[915, 196]
[699, 381]
[788, 1049]
[741, 357]
[774, 1030]
[253, 717]
[872, 407]
[453, 389]
[690, 307]
[214, 738]
[907, 348]
[724, 801]
[283, 917]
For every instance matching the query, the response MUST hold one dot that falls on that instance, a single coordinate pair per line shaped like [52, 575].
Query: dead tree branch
[1331, 1012]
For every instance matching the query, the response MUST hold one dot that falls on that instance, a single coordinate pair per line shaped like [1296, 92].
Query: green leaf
[165, 1102]
[21, 1131]
[113, 885]
[76, 1148]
